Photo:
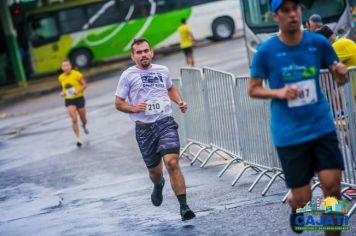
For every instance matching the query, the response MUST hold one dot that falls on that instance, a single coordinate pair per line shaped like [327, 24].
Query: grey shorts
[157, 139]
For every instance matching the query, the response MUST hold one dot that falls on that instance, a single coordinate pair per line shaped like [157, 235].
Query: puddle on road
[11, 133]
[19, 114]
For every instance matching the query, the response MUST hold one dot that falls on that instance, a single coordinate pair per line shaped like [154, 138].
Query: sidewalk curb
[26, 93]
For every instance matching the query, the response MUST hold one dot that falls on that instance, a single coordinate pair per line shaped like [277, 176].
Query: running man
[186, 42]
[144, 91]
[302, 126]
[73, 86]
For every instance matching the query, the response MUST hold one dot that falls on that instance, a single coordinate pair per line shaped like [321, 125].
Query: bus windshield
[258, 16]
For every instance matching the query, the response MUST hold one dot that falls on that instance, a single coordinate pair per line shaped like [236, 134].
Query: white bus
[87, 31]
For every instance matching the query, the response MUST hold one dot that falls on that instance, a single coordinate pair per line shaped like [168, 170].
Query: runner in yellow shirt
[73, 86]
[186, 42]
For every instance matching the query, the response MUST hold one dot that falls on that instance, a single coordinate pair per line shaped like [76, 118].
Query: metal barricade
[179, 116]
[257, 150]
[197, 128]
[220, 98]
[342, 105]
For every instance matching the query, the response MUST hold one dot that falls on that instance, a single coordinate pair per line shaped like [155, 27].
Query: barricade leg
[345, 195]
[258, 179]
[228, 165]
[215, 151]
[351, 211]
[185, 149]
[286, 196]
[196, 157]
[317, 184]
[241, 173]
[270, 183]
[208, 158]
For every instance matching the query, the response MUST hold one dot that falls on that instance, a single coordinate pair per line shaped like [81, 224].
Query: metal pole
[13, 49]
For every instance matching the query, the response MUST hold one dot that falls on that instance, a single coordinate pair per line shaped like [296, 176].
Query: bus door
[44, 36]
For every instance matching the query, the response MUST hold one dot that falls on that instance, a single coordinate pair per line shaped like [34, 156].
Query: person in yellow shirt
[346, 52]
[186, 42]
[73, 85]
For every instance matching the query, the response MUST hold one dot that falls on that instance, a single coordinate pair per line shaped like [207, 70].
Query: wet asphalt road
[50, 187]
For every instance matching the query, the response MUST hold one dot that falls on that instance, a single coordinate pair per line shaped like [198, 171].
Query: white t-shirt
[149, 85]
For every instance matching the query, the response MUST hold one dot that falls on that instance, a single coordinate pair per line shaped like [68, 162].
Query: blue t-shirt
[297, 121]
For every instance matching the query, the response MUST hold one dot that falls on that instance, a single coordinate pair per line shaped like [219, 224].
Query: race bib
[154, 107]
[307, 95]
[70, 92]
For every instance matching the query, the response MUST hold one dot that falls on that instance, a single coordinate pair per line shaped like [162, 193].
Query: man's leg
[330, 183]
[72, 111]
[299, 197]
[190, 59]
[156, 176]
[83, 119]
[171, 162]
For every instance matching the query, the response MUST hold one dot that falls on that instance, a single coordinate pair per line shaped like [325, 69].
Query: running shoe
[79, 143]
[186, 213]
[86, 131]
[156, 196]
[293, 215]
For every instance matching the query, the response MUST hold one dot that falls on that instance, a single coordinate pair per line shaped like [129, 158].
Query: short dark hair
[67, 60]
[183, 21]
[139, 41]
[325, 30]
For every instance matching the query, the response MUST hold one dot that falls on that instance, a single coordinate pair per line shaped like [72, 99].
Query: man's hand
[183, 106]
[61, 94]
[139, 107]
[288, 92]
[341, 73]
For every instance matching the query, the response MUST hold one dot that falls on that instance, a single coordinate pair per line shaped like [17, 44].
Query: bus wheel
[81, 58]
[223, 28]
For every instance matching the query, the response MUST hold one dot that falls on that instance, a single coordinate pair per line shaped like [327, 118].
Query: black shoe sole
[188, 216]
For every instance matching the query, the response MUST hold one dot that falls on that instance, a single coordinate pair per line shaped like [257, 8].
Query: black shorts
[300, 161]
[157, 139]
[78, 102]
[187, 51]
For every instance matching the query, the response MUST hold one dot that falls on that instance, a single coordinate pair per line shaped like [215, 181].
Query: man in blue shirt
[302, 125]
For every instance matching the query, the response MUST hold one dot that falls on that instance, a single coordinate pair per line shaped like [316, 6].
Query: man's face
[142, 55]
[288, 16]
[66, 67]
[312, 26]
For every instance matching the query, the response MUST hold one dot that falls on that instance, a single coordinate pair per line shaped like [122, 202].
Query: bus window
[43, 30]
[259, 17]
[72, 20]
[141, 9]
[105, 13]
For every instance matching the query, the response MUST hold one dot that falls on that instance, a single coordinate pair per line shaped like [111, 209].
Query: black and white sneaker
[292, 222]
[186, 213]
[79, 143]
[156, 196]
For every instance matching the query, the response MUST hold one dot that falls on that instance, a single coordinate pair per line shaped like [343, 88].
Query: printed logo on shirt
[281, 54]
[295, 72]
[152, 79]
[312, 49]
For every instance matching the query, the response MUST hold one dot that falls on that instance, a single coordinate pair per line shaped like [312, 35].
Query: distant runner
[73, 86]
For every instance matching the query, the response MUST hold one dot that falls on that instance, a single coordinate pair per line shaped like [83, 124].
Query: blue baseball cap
[276, 4]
